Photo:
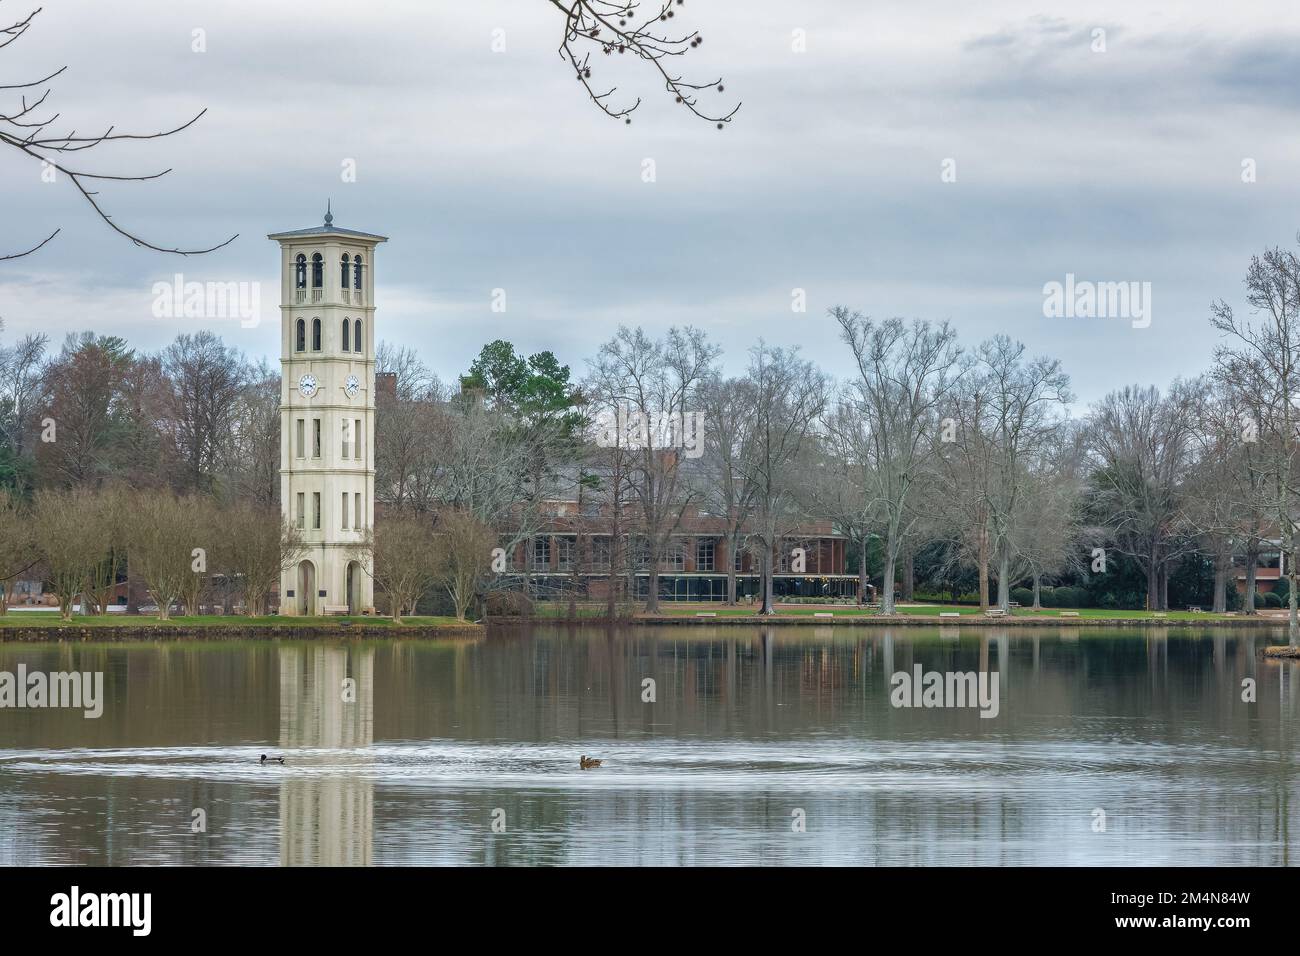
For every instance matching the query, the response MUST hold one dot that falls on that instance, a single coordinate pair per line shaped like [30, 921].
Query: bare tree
[107, 519]
[467, 556]
[1142, 443]
[18, 552]
[20, 389]
[411, 424]
[1224, 500]
[619, 29]
[251, 547]
[658, 382]
[138, 455]
[1261, 363]
[204, 380]
[25, 127]
[726, 486]
[1011, 412]
[904, 373]
[160, 544]
[613, 500]
[843, 484]
[249, 456]
[789, 396]
[73, 532]
[1047, 530]
[405, 559]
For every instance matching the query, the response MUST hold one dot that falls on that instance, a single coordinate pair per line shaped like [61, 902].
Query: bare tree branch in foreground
[615, 29]
[24, 126]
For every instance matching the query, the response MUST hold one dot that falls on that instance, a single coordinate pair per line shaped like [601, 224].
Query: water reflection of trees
[1149, 725]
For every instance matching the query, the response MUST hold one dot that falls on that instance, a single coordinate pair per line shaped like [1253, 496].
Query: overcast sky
[492, 170]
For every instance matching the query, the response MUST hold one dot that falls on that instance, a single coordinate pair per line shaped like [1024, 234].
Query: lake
[760, 746]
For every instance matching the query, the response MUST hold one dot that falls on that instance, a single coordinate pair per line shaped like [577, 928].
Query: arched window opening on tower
[317, 271]
[343, 273]
[357, 337]
[315, 335]
[300, 336]
[347, 335]
[356, 273]
[300, 272]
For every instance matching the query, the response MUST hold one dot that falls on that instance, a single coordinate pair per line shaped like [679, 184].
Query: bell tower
[327, 414]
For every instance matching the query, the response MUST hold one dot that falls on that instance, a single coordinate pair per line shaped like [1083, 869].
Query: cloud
[491, 170]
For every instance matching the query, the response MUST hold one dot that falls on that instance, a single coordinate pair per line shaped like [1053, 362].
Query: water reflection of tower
[327, 802]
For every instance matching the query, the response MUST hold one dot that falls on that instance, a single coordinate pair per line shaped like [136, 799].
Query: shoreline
[131, 631]
[898, 620]
[110, 631]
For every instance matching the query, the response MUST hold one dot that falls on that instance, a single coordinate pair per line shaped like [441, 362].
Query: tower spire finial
[329, 215]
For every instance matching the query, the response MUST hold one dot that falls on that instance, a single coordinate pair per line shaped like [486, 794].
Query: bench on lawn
[1160, 614]
[823, 614]
[950, 614]
[1014, 603]
[1069, 614]
[1195, 608]
[706, 613]
[329, 609]
[995, 612]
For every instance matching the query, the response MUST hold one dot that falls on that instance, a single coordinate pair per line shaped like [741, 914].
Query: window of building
[300, 272]
[358, 446]
[315, 510]
[600, 554]
[344, 271]
[302, 511]
[347, 335]
[357, 340]
[300, 434]
[317, 271]
[565, 550]
[300, 336]
[677, 556]
[541, 552]
[315, 335]
[704, 555]
[345, 511]
[347, 438]
[360, 521]
[315, 437]
[738, 558]
[356, 273]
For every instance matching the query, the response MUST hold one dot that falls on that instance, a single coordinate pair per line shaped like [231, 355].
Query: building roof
[328, 229]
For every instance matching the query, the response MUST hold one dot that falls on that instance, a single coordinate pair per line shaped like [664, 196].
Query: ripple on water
[821, 765]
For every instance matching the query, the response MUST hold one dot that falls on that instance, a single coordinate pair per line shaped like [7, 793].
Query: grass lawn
[929, 610]
[51, 619]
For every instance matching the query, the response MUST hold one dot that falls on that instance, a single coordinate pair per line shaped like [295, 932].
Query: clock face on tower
[351, 386]
[307, 386]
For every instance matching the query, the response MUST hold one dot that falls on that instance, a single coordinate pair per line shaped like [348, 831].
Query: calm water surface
[752, 730]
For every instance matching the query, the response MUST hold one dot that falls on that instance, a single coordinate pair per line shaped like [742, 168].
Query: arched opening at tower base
[306, 588]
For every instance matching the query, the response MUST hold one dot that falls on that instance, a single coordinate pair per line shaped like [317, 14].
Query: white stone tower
[327, 413]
